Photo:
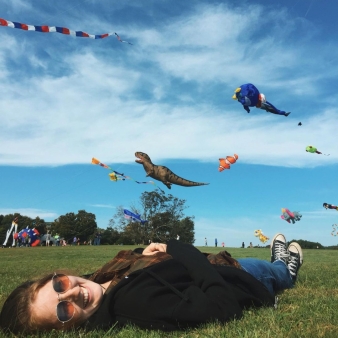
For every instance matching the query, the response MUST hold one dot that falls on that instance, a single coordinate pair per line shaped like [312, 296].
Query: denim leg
[275, 276]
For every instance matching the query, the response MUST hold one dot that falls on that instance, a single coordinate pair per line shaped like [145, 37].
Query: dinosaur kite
[288, 216]
[133, 217]
[162, 173]
[249, 96]
[261, 236]
[330, 206]
[54, 29]
[312, 149]
[224, 163]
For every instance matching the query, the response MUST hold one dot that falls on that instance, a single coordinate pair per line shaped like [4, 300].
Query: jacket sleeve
[210, 292]
[198, 266]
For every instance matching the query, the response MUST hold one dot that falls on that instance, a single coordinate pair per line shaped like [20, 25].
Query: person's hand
[153, 248]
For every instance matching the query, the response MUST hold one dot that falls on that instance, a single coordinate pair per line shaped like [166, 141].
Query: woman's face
[86, 297]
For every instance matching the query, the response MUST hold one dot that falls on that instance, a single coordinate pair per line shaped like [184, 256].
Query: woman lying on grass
[163, 287]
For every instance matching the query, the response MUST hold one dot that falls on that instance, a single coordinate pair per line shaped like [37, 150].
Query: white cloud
[108, 206]
[33, 213]
[109, 106]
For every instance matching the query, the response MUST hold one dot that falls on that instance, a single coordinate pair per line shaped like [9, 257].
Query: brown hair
[16, 315]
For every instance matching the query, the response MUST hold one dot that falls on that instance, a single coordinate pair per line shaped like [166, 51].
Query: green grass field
[308, 310]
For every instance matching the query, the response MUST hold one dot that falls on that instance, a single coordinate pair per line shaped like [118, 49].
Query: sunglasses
[65, 310]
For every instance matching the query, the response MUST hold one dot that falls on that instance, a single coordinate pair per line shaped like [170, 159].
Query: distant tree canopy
[166, 219]
[82, 225]
[307, 244]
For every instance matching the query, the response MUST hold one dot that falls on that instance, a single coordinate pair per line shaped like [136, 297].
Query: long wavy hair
[16, 315]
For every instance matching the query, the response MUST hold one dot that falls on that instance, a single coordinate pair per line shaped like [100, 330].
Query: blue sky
[65, 100]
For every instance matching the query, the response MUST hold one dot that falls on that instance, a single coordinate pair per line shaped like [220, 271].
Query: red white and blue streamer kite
[55, 29]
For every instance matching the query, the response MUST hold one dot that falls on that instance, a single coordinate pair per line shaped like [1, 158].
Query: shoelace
[293, 265]
[280, 251]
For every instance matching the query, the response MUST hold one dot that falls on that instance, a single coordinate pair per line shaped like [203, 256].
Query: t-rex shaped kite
[162, 173]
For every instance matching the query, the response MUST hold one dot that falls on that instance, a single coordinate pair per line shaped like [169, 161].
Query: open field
[308, 310]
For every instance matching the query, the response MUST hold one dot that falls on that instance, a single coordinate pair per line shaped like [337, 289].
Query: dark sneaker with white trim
[296, 259]
[278, 249]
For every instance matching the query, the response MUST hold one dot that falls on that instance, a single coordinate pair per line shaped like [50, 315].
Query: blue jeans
[275, 276]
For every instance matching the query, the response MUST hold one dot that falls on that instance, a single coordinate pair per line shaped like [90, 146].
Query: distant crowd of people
[56, 240]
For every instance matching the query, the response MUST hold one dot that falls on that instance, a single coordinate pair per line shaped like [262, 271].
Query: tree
[166, 219]
[83, 224]
[307, 244]
[109, 236]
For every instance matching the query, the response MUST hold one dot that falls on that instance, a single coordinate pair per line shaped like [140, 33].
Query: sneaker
[296, 259]
[278, 249]
[287, 114]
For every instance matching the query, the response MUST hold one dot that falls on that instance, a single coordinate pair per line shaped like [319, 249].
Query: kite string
[97, 162]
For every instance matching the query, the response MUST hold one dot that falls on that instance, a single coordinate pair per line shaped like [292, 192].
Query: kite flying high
[330, 206]
[224, 163]
[249, 96]
[116, 176]
[55, 29]
[162, 173]
[313, 150]
[288, 216]
[261, 236]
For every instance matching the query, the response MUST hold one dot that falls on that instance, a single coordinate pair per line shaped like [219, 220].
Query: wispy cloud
[45, 214]
[168, 95]
[108, 206]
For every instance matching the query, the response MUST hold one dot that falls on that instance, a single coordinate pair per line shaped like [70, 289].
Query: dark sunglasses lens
[61, 283]
[65, 311]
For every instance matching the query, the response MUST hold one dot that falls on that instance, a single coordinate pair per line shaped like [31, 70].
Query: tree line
[164, 213]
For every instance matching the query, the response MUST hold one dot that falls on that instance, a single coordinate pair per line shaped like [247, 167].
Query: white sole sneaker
[296, 259]
[278, 249]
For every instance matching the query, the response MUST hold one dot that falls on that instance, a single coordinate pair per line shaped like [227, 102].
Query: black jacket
[179, 293]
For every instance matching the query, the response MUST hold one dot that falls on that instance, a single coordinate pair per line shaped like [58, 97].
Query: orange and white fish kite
[224, 163]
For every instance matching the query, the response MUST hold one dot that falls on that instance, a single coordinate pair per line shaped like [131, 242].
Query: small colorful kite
[334, 230]
[311, 149]
[288, 216]
[224, 163]
[55, 29]
[249, 96]
[261, 236]
[133, 217]
[330, 206]
[116, 176]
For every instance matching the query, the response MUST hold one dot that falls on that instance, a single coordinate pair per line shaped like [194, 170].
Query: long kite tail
[52, 29]
[118, 38]
[116, 176]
